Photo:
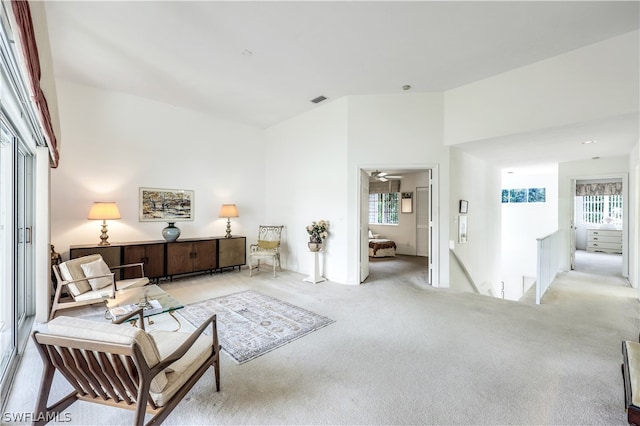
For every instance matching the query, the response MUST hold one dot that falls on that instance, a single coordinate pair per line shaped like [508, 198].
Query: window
[383, 208]
[599, 209]
[524, 195]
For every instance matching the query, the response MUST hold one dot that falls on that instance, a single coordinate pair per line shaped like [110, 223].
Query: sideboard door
[232, 252]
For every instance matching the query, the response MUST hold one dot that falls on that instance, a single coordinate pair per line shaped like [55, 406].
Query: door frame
[625, 213]
[434, 259]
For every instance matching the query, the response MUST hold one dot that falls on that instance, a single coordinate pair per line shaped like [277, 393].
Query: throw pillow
[97, 268]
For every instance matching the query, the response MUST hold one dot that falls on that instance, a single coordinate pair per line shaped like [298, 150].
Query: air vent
[318, 99]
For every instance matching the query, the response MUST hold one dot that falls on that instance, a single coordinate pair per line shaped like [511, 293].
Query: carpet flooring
[404, 353]
[251, 324]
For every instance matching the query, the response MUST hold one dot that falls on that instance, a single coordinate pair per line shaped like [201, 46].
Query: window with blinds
[383, 208]
[597, 208]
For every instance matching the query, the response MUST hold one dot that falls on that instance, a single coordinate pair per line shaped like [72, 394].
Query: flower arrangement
[318, 231]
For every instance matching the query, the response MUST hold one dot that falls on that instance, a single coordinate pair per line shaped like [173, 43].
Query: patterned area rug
[251, 324]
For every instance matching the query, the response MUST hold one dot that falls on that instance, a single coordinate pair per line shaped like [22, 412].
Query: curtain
[608, 188]
[22, 14]
[388, 187]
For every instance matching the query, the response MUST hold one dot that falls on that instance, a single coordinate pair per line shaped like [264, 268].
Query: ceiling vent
[318, 99]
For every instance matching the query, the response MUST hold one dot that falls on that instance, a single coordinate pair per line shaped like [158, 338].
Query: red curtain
[22, 14]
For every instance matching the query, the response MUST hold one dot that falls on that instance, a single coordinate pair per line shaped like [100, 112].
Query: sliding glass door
[24, 251]
[7, 335]
[16, 263]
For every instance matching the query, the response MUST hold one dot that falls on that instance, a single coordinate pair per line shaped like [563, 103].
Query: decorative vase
[171, 232]
[315, 246]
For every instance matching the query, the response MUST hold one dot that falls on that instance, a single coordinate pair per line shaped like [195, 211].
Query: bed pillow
[96, 269]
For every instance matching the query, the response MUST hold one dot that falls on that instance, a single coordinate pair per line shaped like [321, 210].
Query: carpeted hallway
[401, 352]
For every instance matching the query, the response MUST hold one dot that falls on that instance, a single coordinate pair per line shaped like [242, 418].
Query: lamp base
[103, 236]
[228, 235]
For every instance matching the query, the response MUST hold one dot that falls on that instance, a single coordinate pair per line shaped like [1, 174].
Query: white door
[573, 227]
[431, 224]
[422, 221]
[364, 225]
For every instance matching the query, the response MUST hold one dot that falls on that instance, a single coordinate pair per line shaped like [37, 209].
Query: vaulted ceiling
[262, 62]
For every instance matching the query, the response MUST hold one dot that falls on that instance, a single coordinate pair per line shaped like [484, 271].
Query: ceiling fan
[383, 176]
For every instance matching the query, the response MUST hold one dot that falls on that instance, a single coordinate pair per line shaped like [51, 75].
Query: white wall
[391, 131]
[591, 83]
[404, 234]
[115, 143]
[477, 182]
[305, 164]
[522, 224]
[313, 164]
[596, 169]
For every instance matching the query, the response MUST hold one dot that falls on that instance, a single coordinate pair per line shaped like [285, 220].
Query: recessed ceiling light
[406, 87]
[588, 142]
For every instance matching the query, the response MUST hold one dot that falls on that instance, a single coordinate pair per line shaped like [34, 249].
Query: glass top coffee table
[151, 298]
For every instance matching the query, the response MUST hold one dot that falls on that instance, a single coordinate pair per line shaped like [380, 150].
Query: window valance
[607, 188]
[384, 187]
[22, 14]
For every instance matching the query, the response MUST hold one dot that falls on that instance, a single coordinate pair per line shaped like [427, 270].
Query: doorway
[599, 226]
[415, 233]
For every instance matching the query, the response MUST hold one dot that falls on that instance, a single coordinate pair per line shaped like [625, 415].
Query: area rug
[251, 324]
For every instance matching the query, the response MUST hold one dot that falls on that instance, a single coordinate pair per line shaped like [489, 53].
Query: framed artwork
[462, 229]
[464, 206]
[406, 203]
[165, 205]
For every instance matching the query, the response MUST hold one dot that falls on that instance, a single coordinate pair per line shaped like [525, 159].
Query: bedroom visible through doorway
[396, 221]
[599, 226]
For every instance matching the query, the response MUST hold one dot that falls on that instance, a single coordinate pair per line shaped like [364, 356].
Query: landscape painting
[165, 205]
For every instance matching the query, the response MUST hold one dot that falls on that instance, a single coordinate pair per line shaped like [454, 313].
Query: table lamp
[228, 211]
[104, 210]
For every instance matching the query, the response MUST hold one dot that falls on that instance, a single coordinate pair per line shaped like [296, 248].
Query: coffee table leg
[177, 320]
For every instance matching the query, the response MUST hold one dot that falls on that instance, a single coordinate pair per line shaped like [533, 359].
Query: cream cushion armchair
[124, 366]
[88, 280]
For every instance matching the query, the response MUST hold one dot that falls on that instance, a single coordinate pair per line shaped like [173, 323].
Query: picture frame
[165, 205]
[462, 229]
[464, 206]
[406, 202]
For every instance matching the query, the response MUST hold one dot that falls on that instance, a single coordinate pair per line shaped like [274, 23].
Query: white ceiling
[262, 62]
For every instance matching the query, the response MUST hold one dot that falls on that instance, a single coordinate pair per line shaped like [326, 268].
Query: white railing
[549, 248]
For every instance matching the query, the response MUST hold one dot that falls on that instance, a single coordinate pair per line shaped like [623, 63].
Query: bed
[381, 247]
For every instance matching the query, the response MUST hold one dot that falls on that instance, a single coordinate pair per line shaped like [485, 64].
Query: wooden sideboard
[164, 259]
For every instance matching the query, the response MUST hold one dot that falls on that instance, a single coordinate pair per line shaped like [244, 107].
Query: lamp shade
[228, 210]
[103, 210]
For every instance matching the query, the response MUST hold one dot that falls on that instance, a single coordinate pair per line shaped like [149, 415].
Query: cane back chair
[268, 247]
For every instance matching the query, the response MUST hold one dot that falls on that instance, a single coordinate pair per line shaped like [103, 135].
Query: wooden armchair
[123, 366]
[88, 280]
[268, 247]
